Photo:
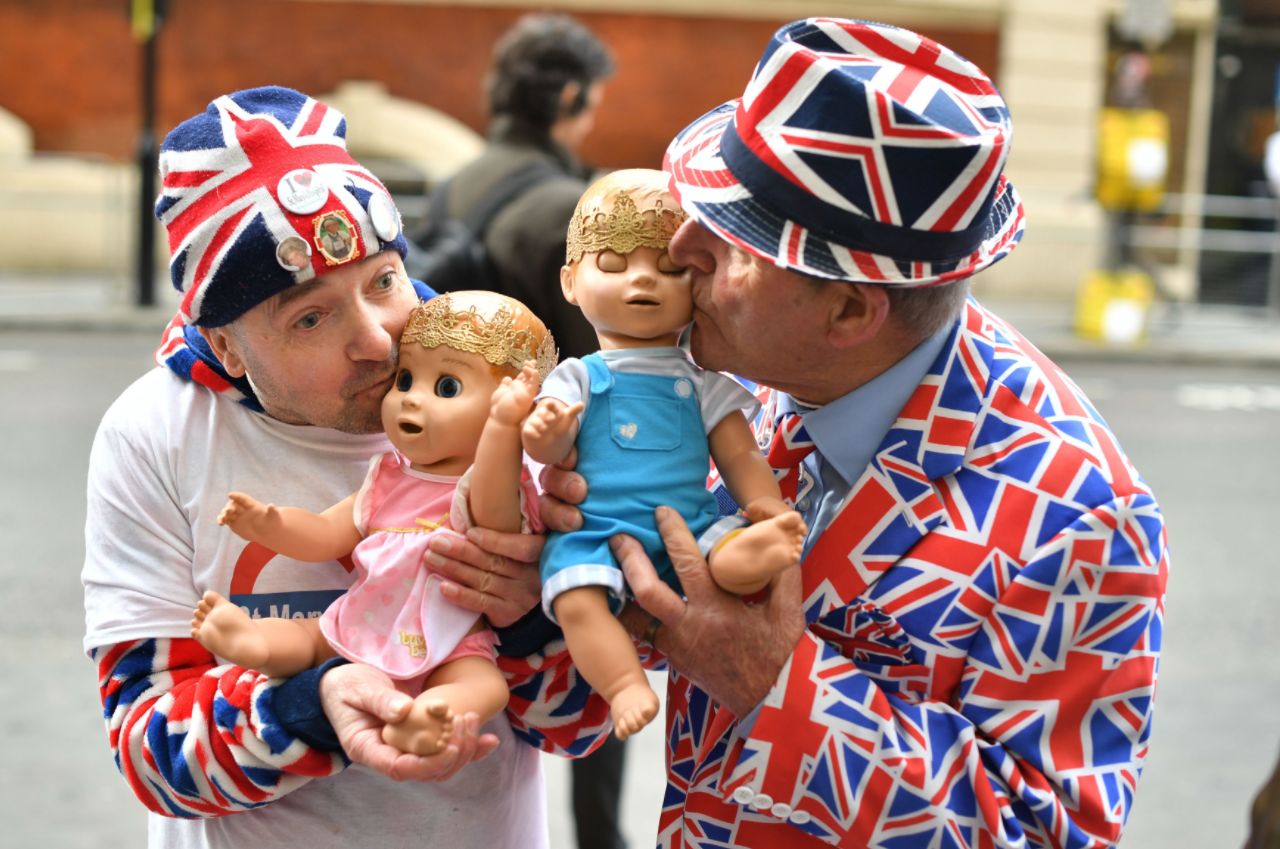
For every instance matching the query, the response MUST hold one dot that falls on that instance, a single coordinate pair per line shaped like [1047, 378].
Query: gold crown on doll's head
[499, 338]
[622, 229]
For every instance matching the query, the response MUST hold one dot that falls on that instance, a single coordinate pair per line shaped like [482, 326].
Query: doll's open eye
[611, 261]
[667, 266]
[448, 387]
[404, 380]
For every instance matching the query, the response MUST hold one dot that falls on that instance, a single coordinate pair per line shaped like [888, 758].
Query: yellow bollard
[1113, 307]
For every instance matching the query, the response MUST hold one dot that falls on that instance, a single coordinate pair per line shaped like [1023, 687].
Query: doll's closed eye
[668, 266]
[611, 261]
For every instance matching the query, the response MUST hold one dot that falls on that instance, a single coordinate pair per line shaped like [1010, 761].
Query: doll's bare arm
[495, 475]
[292, 531]
[744, 469]
[551, 429]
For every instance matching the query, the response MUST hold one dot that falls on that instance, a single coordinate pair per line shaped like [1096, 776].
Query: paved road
[1205, 438]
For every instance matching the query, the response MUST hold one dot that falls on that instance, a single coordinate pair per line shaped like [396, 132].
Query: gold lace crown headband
[496, 339]
[622, 229]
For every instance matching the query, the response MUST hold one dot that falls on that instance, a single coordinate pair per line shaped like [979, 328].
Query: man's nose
[690, 247]
[371, 335]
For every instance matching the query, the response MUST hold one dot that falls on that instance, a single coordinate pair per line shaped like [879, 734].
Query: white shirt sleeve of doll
[722, 395]
[569, 383]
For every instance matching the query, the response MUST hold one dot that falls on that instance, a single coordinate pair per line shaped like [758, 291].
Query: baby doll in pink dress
[471, 364]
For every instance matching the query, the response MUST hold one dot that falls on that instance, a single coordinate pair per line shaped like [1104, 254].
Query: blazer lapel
[895, 502]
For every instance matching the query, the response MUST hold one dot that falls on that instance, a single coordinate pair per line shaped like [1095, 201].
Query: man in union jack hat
[288, 255]
[967, 653]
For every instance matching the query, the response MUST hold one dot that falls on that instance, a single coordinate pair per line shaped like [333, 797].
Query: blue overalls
[642, 443]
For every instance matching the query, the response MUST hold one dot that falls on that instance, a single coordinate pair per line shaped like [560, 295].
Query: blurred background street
[1147, 155]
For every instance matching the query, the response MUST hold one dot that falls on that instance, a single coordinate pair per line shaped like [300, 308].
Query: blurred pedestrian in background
[544, 86]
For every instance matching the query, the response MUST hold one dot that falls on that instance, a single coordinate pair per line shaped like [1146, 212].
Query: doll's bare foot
[633, 708]
[425, 731]
[227, 631]
[749, 559]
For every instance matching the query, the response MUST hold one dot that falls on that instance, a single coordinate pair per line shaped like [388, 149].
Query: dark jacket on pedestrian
[526, 239]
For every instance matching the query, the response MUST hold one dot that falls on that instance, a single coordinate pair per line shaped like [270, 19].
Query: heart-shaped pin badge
[628, 430]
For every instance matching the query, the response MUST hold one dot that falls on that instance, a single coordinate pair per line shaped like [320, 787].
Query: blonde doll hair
[500, 329]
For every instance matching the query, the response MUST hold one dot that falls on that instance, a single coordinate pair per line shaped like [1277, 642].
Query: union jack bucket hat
[861, 152]
[258, 194]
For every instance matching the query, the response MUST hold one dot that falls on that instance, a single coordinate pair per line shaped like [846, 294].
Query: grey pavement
[1177, 333]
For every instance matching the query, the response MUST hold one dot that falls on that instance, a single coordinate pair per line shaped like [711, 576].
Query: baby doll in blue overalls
[646, 422]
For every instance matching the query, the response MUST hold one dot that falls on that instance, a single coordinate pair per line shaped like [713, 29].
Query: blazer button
[800, 817]
[781, 810]
[762, 802]
[744, 795]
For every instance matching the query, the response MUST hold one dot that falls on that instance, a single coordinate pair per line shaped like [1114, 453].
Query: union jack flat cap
[260, 194]
[860, 151]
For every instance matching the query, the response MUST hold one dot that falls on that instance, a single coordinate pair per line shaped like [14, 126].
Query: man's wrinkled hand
[492, 573]
[731, 649]
[562, 489]
[359, 700]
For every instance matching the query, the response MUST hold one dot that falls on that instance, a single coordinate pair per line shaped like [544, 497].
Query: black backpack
[448, 254]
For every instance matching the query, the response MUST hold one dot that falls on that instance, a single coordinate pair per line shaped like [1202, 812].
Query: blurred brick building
[71, 73]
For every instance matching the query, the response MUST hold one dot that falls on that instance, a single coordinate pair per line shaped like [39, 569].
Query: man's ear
[225, 348]
[566, 283]
[858, 312]
[569, 96]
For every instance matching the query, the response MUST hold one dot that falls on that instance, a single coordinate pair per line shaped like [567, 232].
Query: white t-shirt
[165, 457]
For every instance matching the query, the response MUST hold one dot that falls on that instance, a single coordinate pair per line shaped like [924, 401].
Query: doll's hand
[549, 431]
[359, 700]
[248, 517]
[513, 399]
[733, 650]
[489, 572]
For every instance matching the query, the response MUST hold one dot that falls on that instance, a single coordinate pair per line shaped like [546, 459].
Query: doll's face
[639, 299]
[437, 406]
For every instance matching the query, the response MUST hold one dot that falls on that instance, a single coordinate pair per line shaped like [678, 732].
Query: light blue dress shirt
[848, 430]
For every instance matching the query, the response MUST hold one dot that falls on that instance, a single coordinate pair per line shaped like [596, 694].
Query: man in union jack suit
[967, 653]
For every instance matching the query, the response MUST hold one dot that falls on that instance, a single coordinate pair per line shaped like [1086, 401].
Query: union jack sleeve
[197, 740]
[1034, 737]
[552, 707]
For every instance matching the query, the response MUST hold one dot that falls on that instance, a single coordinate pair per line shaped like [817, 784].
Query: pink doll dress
[394, 616]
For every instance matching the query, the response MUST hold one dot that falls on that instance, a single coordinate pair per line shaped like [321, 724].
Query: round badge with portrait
[293, 254]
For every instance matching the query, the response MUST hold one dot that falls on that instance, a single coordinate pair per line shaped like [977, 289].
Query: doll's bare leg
[452, 689]
[604, 654]
[746, 561]
[276, 647]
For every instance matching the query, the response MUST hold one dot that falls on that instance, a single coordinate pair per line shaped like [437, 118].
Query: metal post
[146, 25]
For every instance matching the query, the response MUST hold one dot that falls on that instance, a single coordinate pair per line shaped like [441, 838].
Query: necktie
[789, 446]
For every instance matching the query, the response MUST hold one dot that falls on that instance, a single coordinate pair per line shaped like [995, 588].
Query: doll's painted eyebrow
[457, 361]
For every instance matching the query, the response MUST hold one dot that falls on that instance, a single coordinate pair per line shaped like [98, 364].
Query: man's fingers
[564, 484]
[557, 515]
[649, 590]
[526, 548]
[682, 548]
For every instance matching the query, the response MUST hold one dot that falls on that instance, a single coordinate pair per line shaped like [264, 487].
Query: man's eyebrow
[288, 296]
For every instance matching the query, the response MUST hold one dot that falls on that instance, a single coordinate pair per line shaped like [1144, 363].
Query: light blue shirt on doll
[642, 443]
